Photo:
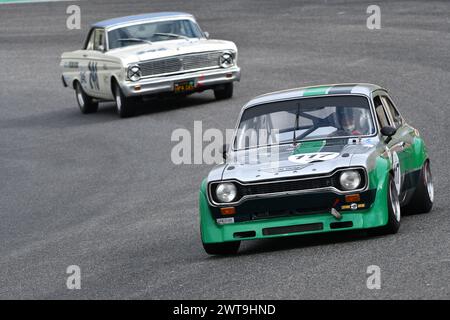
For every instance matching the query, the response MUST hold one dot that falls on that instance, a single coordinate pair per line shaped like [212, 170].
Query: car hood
[307, 158]
[162, 49]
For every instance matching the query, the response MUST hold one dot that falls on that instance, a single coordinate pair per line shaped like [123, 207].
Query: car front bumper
[203, 79]
[374, 216]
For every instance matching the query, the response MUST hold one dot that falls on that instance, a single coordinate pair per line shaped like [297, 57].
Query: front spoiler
[205, 78]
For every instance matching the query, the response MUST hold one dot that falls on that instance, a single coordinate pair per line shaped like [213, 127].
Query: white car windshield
[304, 119]
[153, 32]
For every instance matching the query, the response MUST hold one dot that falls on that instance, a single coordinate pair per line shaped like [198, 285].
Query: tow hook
[336, 214]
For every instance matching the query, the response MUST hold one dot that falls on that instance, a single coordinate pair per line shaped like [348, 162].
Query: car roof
[141, 17]
[319, 90]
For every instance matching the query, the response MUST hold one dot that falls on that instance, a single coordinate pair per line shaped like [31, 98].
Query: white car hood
[162, 49]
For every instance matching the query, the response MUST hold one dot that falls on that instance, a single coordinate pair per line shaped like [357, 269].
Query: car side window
[396, 117]
[383, 120]
[99, 40]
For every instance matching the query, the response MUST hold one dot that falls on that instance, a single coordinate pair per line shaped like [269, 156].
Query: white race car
[126, 58]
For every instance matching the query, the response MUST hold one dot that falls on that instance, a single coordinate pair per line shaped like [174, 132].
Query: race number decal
[305, 158]
[93, 76]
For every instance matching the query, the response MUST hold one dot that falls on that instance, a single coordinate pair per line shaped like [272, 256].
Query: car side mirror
[224, 151]
[388, 132]
[206, 33]
[101, 48]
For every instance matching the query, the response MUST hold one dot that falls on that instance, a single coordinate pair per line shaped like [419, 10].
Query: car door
[404, 136]
[396, 144]
[94, 63]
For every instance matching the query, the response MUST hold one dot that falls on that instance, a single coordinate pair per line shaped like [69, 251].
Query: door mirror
[206, 33]
[101, 48]
[224, 151]
[388, 132]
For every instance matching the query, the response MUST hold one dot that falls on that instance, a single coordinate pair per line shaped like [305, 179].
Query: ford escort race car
[313, 160]
[150, 54]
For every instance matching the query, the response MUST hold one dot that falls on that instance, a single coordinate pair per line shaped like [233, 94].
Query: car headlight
[350, 179]
[134, 73]
[226, 60]
[226, 192]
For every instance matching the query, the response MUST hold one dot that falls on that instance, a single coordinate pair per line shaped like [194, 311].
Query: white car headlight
[134, 73]
[226, 192]
[350, 179]
[226, 60]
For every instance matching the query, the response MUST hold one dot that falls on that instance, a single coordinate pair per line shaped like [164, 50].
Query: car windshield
[304, 119]
[153, 32]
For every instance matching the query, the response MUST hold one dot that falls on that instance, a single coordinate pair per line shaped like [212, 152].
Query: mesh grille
[287, 186]
[180, 63]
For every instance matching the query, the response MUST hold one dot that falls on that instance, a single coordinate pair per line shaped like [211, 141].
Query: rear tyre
[223, 248]
[394, 212]
[423, 197]
[224, 91]
[125, 106]
[86, 103]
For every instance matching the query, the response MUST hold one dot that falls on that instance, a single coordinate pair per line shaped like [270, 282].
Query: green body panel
[413, 156]
[419, 153]
[316, 91]
[372, 217]
[309, 147]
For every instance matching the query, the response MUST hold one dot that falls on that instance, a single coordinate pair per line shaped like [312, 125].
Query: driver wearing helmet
[346, 122]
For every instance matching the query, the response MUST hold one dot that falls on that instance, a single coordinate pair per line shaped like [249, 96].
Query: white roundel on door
[305, 158]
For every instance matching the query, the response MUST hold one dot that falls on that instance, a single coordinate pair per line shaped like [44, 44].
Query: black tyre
[125, 106]
[423, 197]
[394, 212]
[224, 91]
[86, 103]
[223, 248]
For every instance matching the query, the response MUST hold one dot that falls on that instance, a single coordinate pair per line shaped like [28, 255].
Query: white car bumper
[205, 79]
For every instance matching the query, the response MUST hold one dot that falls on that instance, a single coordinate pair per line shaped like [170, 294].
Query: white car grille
[188, 62]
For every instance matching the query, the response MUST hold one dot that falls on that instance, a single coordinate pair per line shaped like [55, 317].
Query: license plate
[225, 220]
[184, 86]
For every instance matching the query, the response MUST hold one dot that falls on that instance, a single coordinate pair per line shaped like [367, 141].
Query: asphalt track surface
[102, 193]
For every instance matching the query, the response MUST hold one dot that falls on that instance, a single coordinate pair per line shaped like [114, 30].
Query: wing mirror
[206, 33]
[224, 151]
[101, 48]
[388, 132]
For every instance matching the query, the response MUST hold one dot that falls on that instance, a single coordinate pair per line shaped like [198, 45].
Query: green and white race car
[313, 160]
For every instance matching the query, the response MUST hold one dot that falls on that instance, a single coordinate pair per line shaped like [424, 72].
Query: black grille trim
[286, 186]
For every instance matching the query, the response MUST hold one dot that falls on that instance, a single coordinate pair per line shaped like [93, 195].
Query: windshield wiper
[172, 35]
[134, 40]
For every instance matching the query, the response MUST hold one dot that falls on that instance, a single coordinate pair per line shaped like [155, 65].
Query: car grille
[181, 63]
[286, 186]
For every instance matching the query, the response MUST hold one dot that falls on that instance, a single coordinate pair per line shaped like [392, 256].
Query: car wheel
[394, 212]
[423, 197]
[125, 106]
[86, 103]
[224, 91]
[223, 248]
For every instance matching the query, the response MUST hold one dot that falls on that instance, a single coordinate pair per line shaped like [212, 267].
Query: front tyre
[224, 91]
[223, 248]
[86, 103]
[423, 197]
[394, 213]
[125, 106]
